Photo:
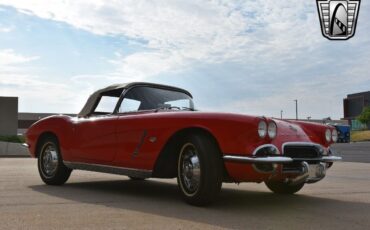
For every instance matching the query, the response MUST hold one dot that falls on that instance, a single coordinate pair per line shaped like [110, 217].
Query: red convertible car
[145, 130]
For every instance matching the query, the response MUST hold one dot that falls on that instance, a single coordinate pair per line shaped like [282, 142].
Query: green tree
[364, 117]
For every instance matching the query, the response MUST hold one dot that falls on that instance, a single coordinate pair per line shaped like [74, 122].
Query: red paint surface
[112, 140]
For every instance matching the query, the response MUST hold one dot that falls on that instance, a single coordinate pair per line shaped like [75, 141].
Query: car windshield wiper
[188, 108]
[173, 107]
[167, 108]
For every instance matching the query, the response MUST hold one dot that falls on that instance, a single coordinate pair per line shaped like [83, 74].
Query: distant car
[145, 130]
[344, 133]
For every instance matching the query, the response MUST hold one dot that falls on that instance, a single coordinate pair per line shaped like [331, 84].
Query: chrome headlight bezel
[262, 129]
[328, 135]
[272, 129]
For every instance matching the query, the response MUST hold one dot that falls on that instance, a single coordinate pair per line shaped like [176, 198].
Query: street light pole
[296, 109]
[281, 114]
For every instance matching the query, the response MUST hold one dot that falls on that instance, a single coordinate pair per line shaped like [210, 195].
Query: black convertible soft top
[93, 99]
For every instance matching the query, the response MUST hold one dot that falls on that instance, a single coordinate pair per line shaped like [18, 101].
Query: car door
[131, 134]
[95, 135]
[96, 139]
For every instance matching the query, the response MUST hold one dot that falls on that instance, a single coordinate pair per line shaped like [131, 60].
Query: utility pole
[281, 114]
[296, 109]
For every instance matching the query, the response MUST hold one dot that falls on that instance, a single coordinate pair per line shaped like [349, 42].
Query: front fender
[57, 125]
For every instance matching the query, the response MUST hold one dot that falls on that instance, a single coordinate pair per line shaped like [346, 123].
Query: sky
[252, 57]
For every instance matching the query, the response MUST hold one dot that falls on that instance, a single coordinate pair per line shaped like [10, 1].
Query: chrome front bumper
[277, 159]
[305, 169]
[272, 159]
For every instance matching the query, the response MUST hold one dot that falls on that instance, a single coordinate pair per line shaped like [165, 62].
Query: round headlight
[272, 130]
[334, 135]
[262, 129]
[328, 135]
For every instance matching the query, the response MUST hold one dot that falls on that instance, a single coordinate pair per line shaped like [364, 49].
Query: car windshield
[149, 98]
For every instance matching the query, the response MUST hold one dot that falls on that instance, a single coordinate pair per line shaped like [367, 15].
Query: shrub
[13, 139]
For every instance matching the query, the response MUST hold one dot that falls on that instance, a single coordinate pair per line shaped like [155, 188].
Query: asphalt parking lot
[102, 201]
[353, 152]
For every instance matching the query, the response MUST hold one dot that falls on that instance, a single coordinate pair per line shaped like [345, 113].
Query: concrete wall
[8, 115]
[13, 150]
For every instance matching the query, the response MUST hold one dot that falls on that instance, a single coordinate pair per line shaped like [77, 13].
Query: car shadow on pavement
[235, 208]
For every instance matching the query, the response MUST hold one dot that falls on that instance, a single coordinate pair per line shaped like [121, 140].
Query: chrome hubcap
[49, 160]
[190, 169]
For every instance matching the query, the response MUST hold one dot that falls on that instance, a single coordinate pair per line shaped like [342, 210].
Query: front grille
[302, 151]
[308, 153]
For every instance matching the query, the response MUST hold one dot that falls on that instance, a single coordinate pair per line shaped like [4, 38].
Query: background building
[8, 116]
[12, 122]
[353, 105]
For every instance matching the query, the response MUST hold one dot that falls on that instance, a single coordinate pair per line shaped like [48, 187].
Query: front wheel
[283, 188]
[50, 163]
[200, 170]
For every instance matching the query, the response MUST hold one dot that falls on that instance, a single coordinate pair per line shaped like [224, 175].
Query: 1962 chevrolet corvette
[147, 130]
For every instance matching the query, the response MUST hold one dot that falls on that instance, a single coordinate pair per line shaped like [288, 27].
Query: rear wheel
[50, 163]
[283, 188]
[200, 170]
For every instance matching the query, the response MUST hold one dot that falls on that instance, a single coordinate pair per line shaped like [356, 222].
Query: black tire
[136, 178]
[283, 188]
[50, 163]
[206, 170]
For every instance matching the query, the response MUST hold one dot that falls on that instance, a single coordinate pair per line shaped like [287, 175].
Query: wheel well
[166, 164]
[41, 138]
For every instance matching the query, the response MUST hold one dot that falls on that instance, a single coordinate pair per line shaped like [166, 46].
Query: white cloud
[38, 95]
[4, 29]
[180, 32]
[277, 40]
[9, 57]
[35, 94]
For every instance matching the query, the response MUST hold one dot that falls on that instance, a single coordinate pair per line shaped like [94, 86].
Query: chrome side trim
[140, 173]
[244, 159]
[141, 142]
